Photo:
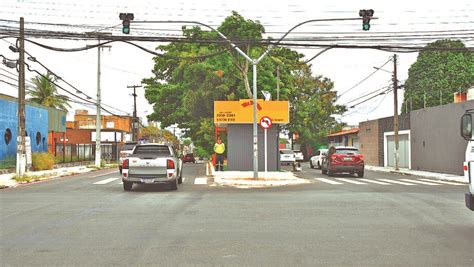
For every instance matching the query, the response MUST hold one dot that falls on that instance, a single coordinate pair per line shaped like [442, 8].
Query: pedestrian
[219, 149]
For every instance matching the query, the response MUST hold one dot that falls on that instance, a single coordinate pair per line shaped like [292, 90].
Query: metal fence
[65, 153]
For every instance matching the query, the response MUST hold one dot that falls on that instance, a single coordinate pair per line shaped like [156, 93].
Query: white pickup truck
[152, 164]
[467, 133]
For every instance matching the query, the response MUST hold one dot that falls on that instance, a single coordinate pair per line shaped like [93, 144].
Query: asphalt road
[89, 220]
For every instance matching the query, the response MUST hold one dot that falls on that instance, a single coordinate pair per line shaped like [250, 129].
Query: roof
[351, 131]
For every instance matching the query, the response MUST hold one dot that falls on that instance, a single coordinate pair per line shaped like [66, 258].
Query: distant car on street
[343, 159]
[317, 159]
[287, 157]
[298, 155]
[189, 158]
[126, 151]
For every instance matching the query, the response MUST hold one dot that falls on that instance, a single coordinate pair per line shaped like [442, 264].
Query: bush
[42, 161]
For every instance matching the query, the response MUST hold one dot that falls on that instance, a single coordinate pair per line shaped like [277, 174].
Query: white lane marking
[395, 181]
[184, 179]
[120, 183]
[442, 182]
[349, 181]
[106, 181]
[200, 181]
[327, 181]
[103, 174]
[418, 182]
[374, 181]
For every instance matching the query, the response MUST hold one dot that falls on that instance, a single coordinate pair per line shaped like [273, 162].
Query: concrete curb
[244, 179]
[431, 175]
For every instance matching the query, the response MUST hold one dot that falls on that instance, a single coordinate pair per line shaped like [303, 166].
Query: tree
[185, 84]
[44, 92]
[155, 134]
[436, 75]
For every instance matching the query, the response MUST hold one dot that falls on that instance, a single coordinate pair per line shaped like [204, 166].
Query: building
[41, 123]
[346, 137]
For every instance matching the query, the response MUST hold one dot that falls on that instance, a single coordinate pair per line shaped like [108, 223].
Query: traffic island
[244, 179]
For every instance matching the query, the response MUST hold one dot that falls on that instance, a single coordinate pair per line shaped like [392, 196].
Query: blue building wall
[36, 126]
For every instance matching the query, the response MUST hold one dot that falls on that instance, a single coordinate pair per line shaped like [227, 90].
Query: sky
[123, 65]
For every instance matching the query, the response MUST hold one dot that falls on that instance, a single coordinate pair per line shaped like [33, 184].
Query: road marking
[327, 181]
[442, 182]
[120, 183]
[184, 179]
[374, 181]
[106, 181]
[200, 181]
[349, 181]
[418, 182]
[395, 181]
[104, 174]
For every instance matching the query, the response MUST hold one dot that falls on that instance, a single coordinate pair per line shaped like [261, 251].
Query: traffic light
[126, 18]
[366, 15]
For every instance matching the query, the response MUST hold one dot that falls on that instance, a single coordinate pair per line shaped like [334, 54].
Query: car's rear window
[286, 152]
[128, 146]
[347, 151]
[153, 149]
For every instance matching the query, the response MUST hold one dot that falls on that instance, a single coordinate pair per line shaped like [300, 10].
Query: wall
[369, 142]
[386, 125]
[239, 148]
[436, 143]
[36, 120]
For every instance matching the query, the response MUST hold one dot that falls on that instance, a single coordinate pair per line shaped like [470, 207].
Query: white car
[298, 155]
[317, 159]
[287, 157]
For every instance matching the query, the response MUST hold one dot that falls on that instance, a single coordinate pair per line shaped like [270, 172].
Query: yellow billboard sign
[242, 111]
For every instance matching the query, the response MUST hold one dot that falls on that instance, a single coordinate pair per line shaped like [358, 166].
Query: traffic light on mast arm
[366, 15]
[126, 18]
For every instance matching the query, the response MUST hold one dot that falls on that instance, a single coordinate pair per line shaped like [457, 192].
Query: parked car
[152, 164]
[189, 158]
[298, 155]
[126, 151]
[317, 159]
[287, 157]
[343, 159]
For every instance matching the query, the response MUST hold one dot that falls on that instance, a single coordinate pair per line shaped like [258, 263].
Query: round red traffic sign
[266, 122]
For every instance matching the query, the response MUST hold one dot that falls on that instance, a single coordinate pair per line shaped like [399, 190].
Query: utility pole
[134, 119]
[395, 111]
[98, 152]
[21, 142]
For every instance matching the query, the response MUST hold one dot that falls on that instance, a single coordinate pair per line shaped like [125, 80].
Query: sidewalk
[432, 175]
[6, 180]
[244, 179]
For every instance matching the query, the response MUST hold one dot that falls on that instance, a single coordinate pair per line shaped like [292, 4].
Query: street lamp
[254, 63]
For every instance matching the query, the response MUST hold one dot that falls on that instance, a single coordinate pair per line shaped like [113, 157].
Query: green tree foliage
[185, 86]
[438, 74]
[155, 134]
[44, 92]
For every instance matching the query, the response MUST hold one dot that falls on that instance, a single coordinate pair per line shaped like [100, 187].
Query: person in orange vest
[219, 149]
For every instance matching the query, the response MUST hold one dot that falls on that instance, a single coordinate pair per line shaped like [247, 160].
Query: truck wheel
[127, 186]
[174, 184]
[319, 165]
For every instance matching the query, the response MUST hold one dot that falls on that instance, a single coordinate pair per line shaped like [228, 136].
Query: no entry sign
[265, 122]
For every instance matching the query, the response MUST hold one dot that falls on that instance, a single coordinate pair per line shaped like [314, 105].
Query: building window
[38, 138]
[8, 136]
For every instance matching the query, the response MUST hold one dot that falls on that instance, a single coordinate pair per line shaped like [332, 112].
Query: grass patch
[30, 178]
[42, 161]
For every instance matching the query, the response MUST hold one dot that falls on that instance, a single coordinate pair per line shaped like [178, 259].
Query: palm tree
[44, 92]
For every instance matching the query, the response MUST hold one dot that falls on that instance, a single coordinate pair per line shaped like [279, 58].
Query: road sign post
[266, 123]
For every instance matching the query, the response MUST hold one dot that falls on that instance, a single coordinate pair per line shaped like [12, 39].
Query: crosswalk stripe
[200, 181]
[106, 181]
[328, 181]
[349, 181]
[373, 181]
[418, 182]
[120, 183]
[395, 181]
[442, 182]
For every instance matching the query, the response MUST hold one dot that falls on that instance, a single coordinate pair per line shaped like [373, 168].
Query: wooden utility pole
[21, 142]
[134, 119]
[395, 111]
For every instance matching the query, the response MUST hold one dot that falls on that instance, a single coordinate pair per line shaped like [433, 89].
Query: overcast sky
[124, 65]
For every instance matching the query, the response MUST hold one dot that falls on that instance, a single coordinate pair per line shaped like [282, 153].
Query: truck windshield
[153, 149]
[129, 146]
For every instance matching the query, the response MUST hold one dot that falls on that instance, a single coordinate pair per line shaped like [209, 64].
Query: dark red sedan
[189, 158]
[343, 159]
